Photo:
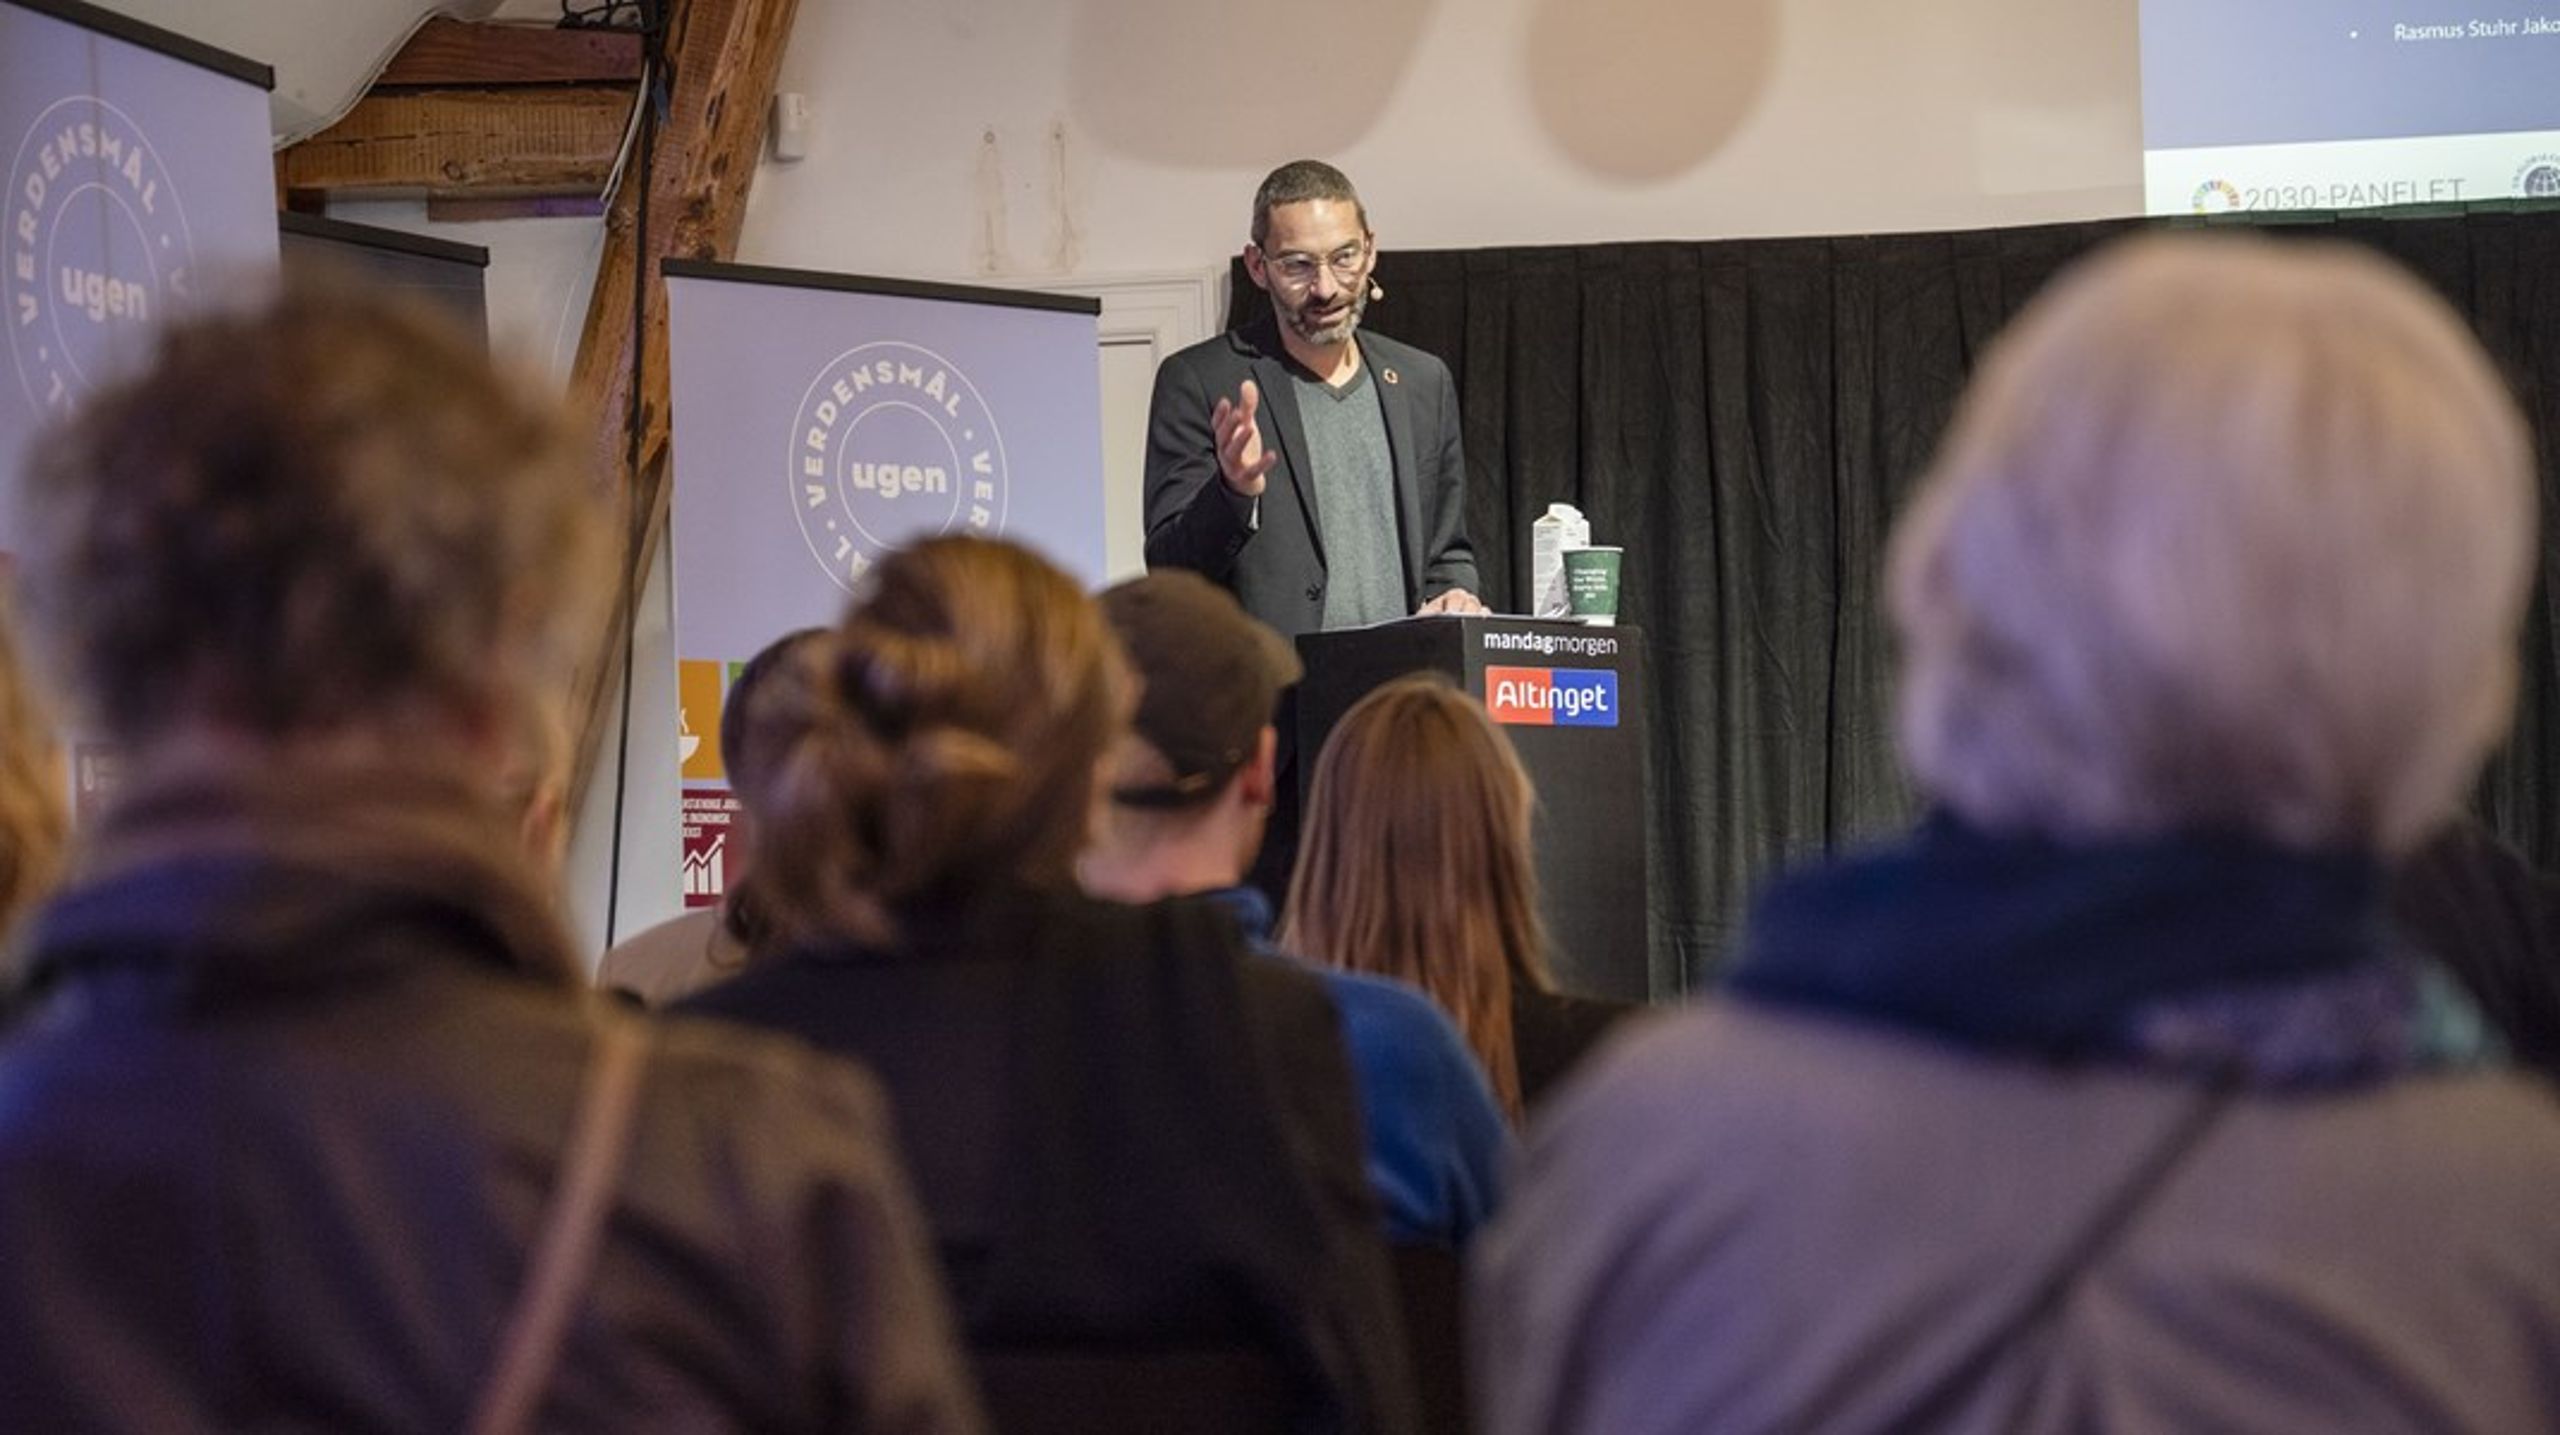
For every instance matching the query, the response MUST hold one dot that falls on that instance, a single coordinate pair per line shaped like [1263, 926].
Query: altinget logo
[96, 244]
[1552, 697]
[892, 444]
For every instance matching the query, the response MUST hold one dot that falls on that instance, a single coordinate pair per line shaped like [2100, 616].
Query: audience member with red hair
[32, 821]
[1415, 864]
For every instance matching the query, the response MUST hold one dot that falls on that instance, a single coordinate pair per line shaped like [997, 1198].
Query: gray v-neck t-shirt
[1354, 472]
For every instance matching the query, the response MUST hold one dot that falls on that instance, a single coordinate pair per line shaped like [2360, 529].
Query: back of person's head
[770, 706]
[2228, 534]
[328, 519]
[1415, 861]
[954, 742]
[768, 710]
[1210, 677]
[32, 821]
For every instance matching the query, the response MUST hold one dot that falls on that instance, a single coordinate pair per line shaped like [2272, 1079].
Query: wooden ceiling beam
[490, 143]
[457, 55]
[477, 112]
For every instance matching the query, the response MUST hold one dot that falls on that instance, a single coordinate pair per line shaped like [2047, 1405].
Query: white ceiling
[324, 51]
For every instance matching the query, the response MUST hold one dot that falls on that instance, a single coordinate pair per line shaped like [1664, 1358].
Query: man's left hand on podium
[1455, 601]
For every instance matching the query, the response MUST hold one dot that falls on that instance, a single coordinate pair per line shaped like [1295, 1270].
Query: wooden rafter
[454, 54]
[477, 112]
[724, 56]
[450, 143]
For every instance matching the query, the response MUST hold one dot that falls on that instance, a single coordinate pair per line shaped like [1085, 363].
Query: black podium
[1571, 699]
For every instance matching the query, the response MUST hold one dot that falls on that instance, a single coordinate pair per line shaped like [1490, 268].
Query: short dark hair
[1209, 675]
[1297, 182]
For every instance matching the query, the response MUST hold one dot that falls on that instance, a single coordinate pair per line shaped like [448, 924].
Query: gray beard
[1340, 330]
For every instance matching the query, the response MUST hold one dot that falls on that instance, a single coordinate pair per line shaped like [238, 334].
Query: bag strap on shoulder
[572, 1228]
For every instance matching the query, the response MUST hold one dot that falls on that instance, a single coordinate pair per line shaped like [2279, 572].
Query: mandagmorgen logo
[892, 444]
[97, 247]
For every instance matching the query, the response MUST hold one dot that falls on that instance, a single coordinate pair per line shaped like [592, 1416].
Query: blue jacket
[1437, 1142]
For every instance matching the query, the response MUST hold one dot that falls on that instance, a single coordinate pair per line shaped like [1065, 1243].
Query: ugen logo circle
[892, 443]
[97, 247]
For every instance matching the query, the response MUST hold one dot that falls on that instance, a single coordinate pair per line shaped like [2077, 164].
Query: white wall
[1033, 137]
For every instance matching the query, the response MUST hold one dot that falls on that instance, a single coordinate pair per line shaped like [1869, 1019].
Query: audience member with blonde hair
[1416, 865]
[32, 821]
[307, 1119]
[1134, 1144]
[2106, 1100]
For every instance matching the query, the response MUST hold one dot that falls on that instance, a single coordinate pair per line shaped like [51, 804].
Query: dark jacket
[1277, 568]
[1551, 1032]
[274, 1143]
[1126, 1134]
[2474, 903]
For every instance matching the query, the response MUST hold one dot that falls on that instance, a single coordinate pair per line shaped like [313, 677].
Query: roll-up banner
[821, 421]
[139, 176]
[452, 277]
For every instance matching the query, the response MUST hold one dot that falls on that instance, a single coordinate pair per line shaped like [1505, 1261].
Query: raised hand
[1241, 461]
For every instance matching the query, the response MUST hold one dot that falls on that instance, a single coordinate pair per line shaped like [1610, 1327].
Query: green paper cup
[1591, 583]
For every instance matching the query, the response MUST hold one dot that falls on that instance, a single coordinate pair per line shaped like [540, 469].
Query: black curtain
[1746, 418]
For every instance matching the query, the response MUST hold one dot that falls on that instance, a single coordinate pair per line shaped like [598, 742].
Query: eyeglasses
[1299, 270]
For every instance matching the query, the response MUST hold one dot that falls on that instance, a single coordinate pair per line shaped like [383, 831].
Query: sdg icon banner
[820, 422]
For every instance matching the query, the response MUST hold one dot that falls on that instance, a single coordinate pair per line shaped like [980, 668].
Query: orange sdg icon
[698, 720]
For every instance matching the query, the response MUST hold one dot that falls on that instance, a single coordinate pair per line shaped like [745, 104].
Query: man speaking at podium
[1313, 470]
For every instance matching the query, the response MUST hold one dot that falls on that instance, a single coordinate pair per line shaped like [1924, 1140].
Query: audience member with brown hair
[1191, 793]
[1131, 1139]
[685, 954]
[307, 1119]
[1416, 865]
[2107, 1100]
